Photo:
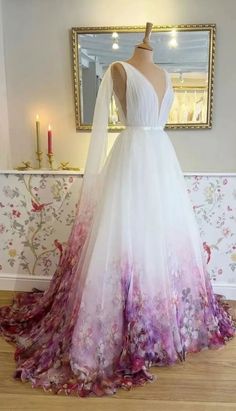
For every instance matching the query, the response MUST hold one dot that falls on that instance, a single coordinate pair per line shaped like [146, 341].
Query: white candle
[37, 133]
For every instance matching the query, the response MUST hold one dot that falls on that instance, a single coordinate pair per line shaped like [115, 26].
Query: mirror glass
[184, 53]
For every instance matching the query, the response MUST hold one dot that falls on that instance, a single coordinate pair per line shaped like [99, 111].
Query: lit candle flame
[37, 117]
[49, 127]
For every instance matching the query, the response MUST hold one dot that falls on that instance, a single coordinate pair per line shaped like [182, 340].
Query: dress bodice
[142, 103]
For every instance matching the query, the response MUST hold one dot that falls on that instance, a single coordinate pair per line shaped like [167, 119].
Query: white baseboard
[12, 282]
[21, 282]
[228, 290]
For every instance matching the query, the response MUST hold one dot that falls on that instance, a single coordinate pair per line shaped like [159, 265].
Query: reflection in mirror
[187, 54]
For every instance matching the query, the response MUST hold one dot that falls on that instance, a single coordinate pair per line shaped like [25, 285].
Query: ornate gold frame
[109, 29]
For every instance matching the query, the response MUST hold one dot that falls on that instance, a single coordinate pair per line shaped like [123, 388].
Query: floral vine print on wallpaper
[214, 204]
[37, 213]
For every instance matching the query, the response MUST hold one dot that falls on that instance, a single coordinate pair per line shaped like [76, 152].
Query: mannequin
[142, 60]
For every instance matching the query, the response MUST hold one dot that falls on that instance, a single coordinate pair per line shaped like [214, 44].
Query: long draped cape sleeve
[97, 154]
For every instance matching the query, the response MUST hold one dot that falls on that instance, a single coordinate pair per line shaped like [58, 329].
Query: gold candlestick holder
[39, 158]
[25, 165]
[66, 166]
[50, 160]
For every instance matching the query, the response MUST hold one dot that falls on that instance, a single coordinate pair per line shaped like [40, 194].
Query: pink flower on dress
[16, 213]
[226, 231]
[175, 299]
[137, 364]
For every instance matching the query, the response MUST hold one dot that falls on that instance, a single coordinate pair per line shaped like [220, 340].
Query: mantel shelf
[81, 172]
[43, 171]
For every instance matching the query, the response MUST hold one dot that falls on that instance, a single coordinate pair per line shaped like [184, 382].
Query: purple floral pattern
[67, 351]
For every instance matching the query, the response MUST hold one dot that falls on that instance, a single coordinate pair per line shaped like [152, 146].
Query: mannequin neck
[142, 56]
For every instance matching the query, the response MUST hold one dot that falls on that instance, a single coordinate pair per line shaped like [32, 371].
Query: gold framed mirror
[186, 51]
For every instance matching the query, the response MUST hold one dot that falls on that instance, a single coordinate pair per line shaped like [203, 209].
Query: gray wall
[5, 161]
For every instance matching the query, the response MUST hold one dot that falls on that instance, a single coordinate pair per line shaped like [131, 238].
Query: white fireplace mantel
[81, 172]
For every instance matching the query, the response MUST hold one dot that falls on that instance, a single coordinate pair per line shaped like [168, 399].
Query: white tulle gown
[132, 288]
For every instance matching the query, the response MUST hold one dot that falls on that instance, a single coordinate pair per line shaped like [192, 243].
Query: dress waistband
[147, 127]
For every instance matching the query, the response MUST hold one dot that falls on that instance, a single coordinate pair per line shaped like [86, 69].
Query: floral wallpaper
[37, 212]
[214, 204]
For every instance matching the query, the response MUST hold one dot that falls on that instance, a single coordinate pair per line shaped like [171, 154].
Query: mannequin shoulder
[118, 71]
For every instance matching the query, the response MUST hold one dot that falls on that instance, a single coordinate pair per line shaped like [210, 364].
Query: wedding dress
[131, 289]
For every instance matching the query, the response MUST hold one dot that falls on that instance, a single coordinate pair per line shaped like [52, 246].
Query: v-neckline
[151, 85]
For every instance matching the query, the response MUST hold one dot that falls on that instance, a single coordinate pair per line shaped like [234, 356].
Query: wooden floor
[206, 382]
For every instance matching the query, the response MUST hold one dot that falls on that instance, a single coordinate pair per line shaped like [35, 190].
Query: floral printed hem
[52, 367]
